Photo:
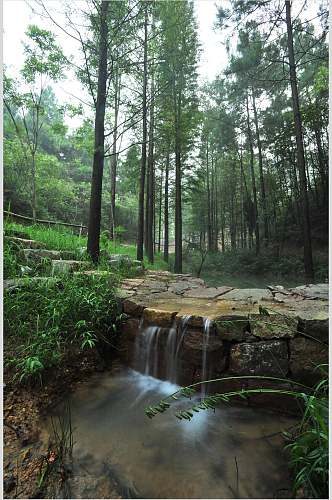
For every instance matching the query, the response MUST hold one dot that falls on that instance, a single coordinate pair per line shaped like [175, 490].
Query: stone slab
[25, 243]
[317, 291]
[250, 295]
[207, 293]
[158, 317]
[39, 254]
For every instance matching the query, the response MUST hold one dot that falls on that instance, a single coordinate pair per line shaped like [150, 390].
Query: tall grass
[44, 319]
[63, 239]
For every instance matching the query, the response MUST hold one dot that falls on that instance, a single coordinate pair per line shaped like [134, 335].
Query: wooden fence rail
[42, 221]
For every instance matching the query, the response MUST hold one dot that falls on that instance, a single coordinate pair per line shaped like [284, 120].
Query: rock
[318, 291]
[157, 317]
[9, 483]
[305, 356]
[39, 254]
[250, 295]
[207, 293]
[25, 454]
[130, 329]
[317, 326]
[95, 272]
[124, 294]
[150, 286]
[180, 288]
[16, 283]
[68, 266]
[193, 346]
[133, 308]
[233, 327]
[273, 326]
[25, 243]
[268, 358]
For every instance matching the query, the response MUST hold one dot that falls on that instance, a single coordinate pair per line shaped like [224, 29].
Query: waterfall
[153, 340]
[207, 323]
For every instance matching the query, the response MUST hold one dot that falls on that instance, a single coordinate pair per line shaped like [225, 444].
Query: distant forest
[240, 162]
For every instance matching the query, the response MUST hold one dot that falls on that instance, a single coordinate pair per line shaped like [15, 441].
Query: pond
[234, 452]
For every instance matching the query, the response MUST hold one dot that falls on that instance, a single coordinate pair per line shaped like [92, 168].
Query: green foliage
[309, 447]
[43, 55]
[43, 318]
[234, 266]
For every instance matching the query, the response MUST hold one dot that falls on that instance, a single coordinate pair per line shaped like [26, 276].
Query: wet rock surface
[273, 332]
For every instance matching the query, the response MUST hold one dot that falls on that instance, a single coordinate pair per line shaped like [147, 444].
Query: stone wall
[261, 337]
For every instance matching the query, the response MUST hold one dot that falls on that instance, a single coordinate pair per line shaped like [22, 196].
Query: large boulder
[68, 266]
[305, 356]
[268, 358]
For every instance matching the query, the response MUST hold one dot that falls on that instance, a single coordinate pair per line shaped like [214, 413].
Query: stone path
[181, 295]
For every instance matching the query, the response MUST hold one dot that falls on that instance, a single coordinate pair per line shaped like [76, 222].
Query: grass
[43, 319]
[62, 239]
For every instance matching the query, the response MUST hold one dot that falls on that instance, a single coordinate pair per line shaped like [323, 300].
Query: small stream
[233, 452]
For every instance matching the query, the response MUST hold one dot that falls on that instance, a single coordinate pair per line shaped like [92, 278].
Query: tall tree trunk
[261, 174]
[209, 228]
[160, 210]
[253, 181]
[98, 156]
[34, 190]
[178, 189]
[308, 262]
[114, 157]
[166, 226]
[150, 183]
[140, 223]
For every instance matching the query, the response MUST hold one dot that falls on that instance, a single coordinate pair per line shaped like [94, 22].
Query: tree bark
[140, 223]
[166, 225]
[253, 181]
[114, 157]
[178, 189]
[261, 174]
[308, 261]
[150, 183]
[98, 156]
[160, 210]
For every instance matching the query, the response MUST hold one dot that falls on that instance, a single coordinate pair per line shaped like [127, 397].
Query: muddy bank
[29, 451]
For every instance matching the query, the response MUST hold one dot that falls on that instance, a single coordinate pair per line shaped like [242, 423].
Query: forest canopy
[159, 155]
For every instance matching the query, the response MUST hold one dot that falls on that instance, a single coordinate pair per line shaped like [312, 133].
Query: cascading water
[207, 323]
[153, 340]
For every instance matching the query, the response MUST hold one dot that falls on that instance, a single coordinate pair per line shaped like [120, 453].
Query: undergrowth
[226, 267]
[42, 319]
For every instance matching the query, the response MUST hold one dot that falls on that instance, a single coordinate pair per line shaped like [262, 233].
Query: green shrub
[43, 318]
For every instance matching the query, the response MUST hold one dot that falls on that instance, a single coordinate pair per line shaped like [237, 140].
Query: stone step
[25, 243]
[37, 254]
[68, 266]
[16, 283]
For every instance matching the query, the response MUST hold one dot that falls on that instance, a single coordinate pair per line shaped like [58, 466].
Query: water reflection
[230, 453]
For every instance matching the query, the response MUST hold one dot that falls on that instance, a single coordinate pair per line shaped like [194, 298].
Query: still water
[234, 452]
